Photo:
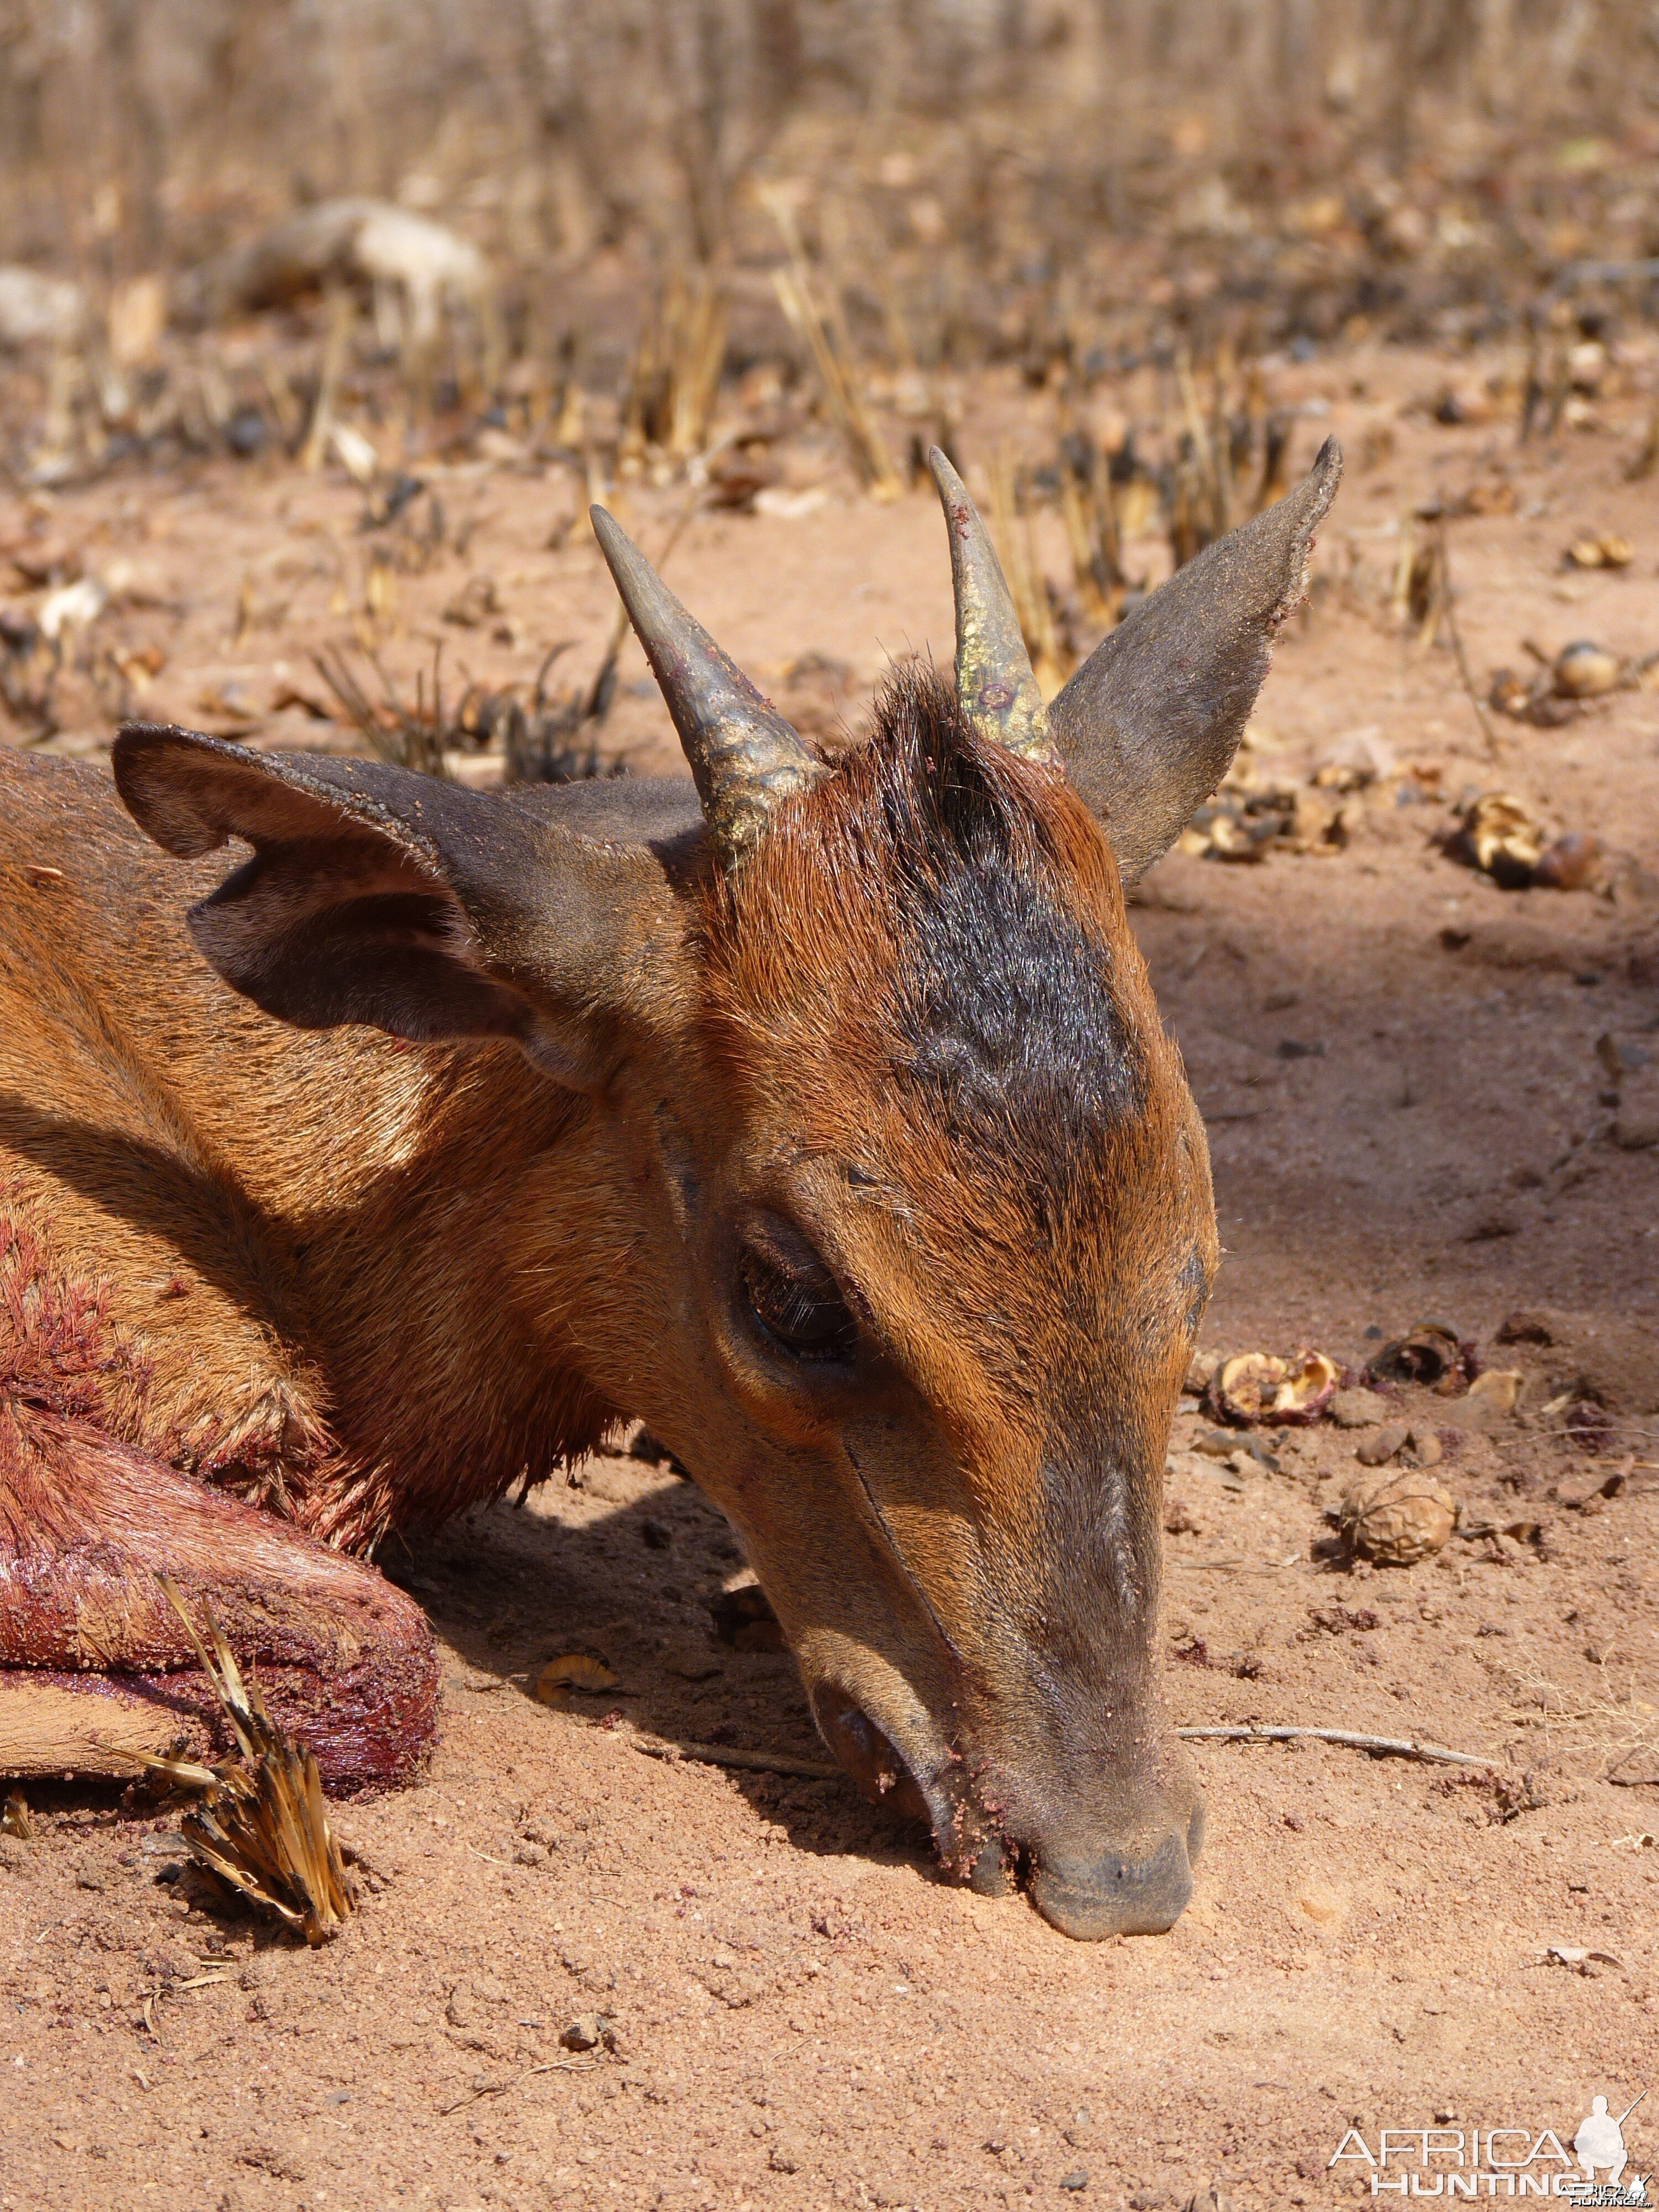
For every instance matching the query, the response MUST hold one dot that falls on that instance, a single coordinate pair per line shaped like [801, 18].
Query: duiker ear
[378, 897]
[1150, 722]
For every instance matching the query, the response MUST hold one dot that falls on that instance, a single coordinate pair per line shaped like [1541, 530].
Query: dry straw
[262, 1826]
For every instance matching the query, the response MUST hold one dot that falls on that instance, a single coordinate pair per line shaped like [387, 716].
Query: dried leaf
[1499, 836]
[573, 1670]
[1429, 1353]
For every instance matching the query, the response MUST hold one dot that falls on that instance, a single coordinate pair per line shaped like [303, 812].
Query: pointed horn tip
[609, 531]
[943, 473]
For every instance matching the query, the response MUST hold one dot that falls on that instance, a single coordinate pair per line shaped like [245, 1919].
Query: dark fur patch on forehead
[1003, 991]
[944, 913]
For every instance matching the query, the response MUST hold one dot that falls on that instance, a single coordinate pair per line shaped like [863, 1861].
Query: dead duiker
[819, 1115]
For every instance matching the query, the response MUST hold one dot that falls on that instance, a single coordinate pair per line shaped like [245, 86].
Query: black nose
[1113, 1895]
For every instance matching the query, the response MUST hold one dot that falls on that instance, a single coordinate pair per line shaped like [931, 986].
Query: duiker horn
[746, 760]
[994, 683]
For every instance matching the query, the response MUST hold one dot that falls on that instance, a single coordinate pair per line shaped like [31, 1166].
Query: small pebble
[1637, 1128]
[1377, 1450]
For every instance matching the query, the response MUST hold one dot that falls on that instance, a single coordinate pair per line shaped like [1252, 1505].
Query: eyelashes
[800, 1307]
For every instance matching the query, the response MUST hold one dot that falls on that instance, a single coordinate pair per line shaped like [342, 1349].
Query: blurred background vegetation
[750, 245]
[973, 146]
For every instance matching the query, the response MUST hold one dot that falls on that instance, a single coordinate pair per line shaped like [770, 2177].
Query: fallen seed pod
[1601, 549]
[1533, 700]
[1509, 694]
[1258, 1386]
[1498, 835]
[1396, 1518]
[1584, 670]
[1571, 863]
[1430, 1354]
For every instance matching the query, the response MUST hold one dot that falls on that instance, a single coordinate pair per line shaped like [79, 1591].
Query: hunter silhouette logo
[1506, 2161]
[1600, 2141]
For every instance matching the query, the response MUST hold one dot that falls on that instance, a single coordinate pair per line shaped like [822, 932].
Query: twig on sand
[1456, 637]
[501, 2088]
[753, 1762]
[1394, 1746]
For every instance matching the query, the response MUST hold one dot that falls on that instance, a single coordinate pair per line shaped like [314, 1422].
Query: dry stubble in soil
[784, 2006]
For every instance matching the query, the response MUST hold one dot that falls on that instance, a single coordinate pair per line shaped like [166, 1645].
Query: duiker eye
[799, 1307]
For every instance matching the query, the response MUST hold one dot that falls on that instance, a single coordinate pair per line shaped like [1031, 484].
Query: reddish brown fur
[202, 1275]
[801, 991]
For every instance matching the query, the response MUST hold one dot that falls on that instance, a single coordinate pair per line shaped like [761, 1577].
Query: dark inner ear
[373, 896]
[322, 931]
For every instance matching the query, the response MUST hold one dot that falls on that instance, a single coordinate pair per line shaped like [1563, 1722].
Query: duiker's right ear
[1149, 724]
[378, 896]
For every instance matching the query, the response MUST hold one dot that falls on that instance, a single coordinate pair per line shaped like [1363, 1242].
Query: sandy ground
[1409, 1118]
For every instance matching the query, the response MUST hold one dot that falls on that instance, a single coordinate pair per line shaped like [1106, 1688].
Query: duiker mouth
[1087, 1888]
[939, 1797]
[869, 1758]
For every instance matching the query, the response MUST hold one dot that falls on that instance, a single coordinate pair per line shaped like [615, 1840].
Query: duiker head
[913, 1201]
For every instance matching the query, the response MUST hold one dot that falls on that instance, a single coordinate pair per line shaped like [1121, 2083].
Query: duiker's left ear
[1149, 723]
[378, 896]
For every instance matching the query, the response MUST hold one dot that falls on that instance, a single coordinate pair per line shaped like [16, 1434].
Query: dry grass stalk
[674, 377]
[409, 736]
[342, 313]
[553, 738]
[1089, 506]
[818, 322]
[1386, 1747]
[1096, 603]
[1209, 461]
[1619, 1731]
[1449, 618]
[262, 1827]
[1643, 463]
[1418, 601]
[750, 1762]
[696, 317]
[1017, 543]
